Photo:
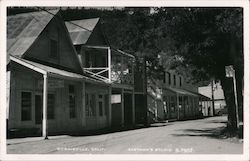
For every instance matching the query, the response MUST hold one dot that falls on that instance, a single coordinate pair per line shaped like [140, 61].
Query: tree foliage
[197, 42]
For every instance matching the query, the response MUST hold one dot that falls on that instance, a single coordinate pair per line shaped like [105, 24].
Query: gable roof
[23, 30]
[80, 30]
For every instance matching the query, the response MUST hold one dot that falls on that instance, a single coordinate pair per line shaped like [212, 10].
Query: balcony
[108, 64]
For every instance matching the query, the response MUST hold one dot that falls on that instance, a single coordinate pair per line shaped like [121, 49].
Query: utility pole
[212, 89]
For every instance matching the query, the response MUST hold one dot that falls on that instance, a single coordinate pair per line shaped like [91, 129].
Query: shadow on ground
[117, 129]
[217, 121]
[216, 133]
[211, 132]
[23, 133]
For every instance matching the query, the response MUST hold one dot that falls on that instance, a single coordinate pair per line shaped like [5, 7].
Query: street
[182, 137]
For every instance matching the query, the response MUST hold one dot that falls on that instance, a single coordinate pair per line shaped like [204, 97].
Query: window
[53, 48]
[51, 106]
[180, 81]
[169, 78]
[72, 102]
[26, 106]
[172, 104]
[174, 80]
[164, 77]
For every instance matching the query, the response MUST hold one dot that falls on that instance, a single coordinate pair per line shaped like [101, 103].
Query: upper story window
[174, 80]
[169, 78]
[180, 81]
[164, 77]
[53, 48]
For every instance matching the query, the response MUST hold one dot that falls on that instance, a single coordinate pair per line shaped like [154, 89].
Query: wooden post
[110, 107]
[122, 104]
[133, 107]
[45, 91]
[177, 103]
[183, 106]
[109, 63]
[83, 104]
[212, 89]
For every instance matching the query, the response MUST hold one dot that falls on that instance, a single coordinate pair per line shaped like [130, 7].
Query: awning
[51, 71]
[182, 91]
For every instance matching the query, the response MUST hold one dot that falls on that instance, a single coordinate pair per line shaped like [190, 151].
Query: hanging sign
[229, 71]
[116, 98]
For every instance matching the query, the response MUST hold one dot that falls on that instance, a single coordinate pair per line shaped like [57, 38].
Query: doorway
[128, 109]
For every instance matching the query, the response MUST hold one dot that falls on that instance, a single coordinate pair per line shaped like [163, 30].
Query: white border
[134, 3]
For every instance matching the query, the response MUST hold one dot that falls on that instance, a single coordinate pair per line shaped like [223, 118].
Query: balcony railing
[117, 66]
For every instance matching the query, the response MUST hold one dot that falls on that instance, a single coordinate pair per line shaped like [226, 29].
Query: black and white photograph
[125, 81]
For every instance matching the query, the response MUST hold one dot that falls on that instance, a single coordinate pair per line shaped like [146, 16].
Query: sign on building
[116, 98]
[229, 71]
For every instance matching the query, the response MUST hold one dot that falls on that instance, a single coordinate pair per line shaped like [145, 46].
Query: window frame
[72, 115]
[169, 78]
[30, 108]
[180, 81]
[174, 80]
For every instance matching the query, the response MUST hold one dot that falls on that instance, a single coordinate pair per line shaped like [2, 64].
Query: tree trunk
[227, 86]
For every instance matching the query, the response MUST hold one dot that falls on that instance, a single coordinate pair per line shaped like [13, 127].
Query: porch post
[110, 106]
[183, 106]
[178, 110]
[83, 103]
[122, 104]
[133, 107]
[45, 91]
[109, 63]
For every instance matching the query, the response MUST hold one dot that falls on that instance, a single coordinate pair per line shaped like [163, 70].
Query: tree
[209, 39]
[197, 42]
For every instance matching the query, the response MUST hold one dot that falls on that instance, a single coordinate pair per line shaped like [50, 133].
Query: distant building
[169, 98]
[219, 99]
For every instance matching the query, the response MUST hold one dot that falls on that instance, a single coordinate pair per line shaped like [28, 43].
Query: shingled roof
[80, 30]
[23, 30]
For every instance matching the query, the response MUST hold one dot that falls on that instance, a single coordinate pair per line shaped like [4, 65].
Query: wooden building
[101, 61]
[169, 98]
[49, 92]
[219, 99]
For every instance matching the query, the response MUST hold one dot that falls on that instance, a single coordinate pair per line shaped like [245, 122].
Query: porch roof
[182, 91]
[186, 92]
[51, 71]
